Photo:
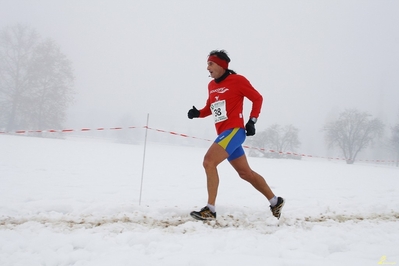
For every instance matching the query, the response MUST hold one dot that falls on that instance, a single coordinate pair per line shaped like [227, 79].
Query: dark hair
[222, 54]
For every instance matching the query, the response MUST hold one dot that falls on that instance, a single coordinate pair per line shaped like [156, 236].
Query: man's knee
[208, 163]
[247, 175]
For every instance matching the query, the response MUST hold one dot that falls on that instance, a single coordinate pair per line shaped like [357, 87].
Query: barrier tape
[186, 136]
[64, 130]
[176, 134]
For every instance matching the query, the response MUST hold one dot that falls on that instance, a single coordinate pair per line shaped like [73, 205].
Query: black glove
[250, 128]
[192, 113]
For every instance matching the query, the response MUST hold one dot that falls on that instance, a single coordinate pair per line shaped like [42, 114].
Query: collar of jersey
[223, 77]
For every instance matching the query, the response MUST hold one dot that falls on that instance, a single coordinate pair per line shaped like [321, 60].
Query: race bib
[219, 111]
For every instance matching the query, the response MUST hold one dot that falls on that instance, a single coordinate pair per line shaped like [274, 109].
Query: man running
[226, 94]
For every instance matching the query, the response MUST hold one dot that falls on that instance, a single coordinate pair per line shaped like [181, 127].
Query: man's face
[215, 70]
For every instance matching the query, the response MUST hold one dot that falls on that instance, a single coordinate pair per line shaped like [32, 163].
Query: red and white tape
[185, 136]
[63, 130]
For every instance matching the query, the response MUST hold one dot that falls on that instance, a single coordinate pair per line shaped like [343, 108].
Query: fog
[309, 59]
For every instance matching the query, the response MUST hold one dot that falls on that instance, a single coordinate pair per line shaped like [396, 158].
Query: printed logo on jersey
[219, 90]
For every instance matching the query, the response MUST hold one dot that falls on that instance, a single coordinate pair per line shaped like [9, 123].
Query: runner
[226, 94]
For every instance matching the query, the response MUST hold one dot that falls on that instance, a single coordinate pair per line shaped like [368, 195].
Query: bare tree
[16, 49]
[36, 81]
[51, 82]
[352, 132]
[278, 139]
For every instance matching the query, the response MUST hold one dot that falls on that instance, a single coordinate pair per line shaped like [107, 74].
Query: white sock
[212, 208]
[273, 201]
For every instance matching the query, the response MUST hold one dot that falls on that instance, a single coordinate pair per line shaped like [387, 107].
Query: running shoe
[204, 214]
[276, 210]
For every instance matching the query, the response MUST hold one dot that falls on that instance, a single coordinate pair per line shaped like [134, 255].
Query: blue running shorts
[231, 140]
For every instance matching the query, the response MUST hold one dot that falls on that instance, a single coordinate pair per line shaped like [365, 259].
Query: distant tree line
[352, 132]
[274, 140]
[36, 81]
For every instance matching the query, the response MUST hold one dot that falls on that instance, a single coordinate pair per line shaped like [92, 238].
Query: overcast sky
[309, 59]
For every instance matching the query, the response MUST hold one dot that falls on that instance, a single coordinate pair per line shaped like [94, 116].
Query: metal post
[145, 147]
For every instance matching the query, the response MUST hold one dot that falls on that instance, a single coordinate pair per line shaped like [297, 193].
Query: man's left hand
[250, 128]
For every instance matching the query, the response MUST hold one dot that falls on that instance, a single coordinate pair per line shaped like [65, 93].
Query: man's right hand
[193, 113]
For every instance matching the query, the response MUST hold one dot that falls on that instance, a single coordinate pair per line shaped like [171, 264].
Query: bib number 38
[219, 111]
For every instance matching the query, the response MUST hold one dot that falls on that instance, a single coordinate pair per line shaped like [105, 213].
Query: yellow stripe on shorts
[224, 142]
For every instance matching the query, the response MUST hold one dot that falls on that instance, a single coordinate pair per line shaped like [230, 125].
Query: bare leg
[245, 172]
[214, 156]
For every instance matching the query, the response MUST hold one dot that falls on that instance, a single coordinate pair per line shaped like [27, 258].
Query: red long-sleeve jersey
[226, 99]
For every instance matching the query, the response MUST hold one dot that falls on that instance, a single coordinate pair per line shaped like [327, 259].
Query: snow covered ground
[76, 202]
